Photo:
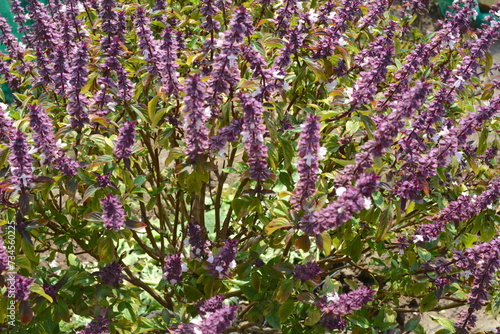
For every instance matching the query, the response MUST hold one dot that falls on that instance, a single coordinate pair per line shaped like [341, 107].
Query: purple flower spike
[22, 286]
[196, 116]
[168, 55]
[126, 140]
[221, 264]
[78, 102]
[307, 272]
[112, 274]
[147, 43]
[253, 138]
[197, 239]
[336, 306]
[4, 257]
[45, 142]
[308, 166]
[210, 305]
[173, 269]
[6, 125]
[113, 213]
[97, 326]
[21, 163]
[184, 328]
[14, 49]
[217, 322]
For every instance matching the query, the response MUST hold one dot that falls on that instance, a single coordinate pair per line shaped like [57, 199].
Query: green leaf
[303, 242]
[306, 298]
[36, 288]
[469, 240]
[316, 68]
[29, 251]
[359, 321]
[288, 151]
[94, 217]
[483, 140]
[192, 294]
[327, 243]
[412, 324]
[313, 317]
[385, 223]
[285, 310]
[22, 261]
[354, 249]
[106, 250]
[276, 224]
[330, 286]
[424, 254]
[274, 319]
[446, 323]
[428, 302]
[89, 192]
[249, 292]
[139, 180]
[152, 108]
[488, 62]
[284, 291]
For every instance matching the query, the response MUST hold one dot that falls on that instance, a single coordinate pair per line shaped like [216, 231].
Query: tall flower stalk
[253, 138]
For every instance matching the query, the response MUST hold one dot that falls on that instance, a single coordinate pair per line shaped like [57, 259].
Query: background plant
[213, 166]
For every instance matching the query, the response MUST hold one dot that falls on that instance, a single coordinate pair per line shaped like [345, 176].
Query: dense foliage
[211, 166]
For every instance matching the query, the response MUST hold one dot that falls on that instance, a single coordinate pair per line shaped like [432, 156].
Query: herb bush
[247, 167]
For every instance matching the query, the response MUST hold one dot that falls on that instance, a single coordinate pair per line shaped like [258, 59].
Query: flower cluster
[374, 60]
[97, 326]
[482, 262]
[112, 274]
[21, 163]
[210, 305]
[4, 257]
[113, 212]
[284, 14]
[196, 115]
[336, 306]
[350, 201]
[308, 167]
[6, 125]
[226, 134]
[210, 25]
[253, 138]
[221, 263]
[45, 142]
[306, 272]
[78, 102]
[173, 269]
[9, 40]
[214, 320]
[196, 238]
[336, 22]
[169, 48]
[22, 287]
[225, 73]
[147, 43]
[125, 141]
[463, 208]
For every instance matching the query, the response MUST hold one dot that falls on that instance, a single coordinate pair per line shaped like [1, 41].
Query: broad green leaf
[276, 224]
[106, 250]
[285, 310]
[284, 290]
[36, 288]
[428, 302]
[313, 317]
